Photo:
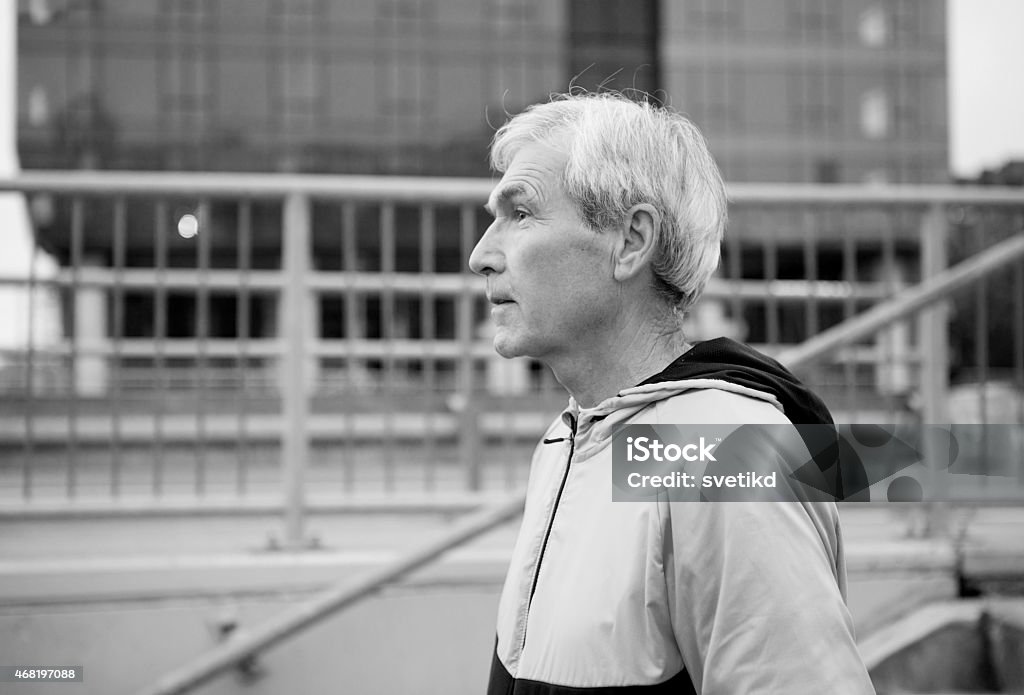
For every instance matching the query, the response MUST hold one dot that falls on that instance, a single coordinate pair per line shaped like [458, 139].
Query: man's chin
[506, 347]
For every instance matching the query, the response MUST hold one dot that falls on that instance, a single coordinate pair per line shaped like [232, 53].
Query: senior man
[607, 226]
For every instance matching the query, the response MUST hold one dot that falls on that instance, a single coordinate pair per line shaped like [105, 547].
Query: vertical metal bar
[295, 391]
[933, 323]
[890, 369]
[387, 320]
[1018, 343]
[30, 358]
[242, 308]
[77, 252]
[353, 366]
[1018, 353]
[810, 248]
[117, 335]
[428, 331]
[849, 309]
[160, 335]
[771, 272]
[469, 432]
[932, 335]
[981, 365]
[735, 280]
[202, 336]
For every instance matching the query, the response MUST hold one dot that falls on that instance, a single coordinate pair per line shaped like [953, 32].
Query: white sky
[986, 83]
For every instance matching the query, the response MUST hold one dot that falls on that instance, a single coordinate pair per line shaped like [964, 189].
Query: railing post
[933, 344]
[469, 424]
[469, 418]
[90, 330]
[294, 325]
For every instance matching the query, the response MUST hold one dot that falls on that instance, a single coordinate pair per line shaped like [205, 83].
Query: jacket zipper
[547, 532]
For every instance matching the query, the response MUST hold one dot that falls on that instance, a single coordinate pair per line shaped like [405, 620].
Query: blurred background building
[786, 90]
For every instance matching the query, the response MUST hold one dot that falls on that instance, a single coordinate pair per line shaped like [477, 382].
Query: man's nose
[486, 258]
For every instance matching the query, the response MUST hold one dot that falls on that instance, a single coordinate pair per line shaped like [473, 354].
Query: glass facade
[813, 90]
[784, 89]
[281, 85]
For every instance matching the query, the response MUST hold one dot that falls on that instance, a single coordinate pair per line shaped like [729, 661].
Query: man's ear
[640, 230]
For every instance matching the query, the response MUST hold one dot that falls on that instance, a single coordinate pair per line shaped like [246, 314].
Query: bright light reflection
[188, 226]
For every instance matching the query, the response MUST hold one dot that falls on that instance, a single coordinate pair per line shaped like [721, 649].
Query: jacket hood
[726, 360]
[721, 364]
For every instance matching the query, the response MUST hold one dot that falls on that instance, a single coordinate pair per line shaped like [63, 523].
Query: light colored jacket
[713, 598]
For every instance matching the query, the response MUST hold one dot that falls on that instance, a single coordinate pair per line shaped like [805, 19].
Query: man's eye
[520, 215]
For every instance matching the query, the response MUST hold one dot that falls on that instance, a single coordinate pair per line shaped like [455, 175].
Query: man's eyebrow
[504, 195]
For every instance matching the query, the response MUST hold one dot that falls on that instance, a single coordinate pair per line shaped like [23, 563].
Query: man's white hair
[622, 153]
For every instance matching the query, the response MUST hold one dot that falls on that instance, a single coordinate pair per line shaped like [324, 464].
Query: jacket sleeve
[755, 593]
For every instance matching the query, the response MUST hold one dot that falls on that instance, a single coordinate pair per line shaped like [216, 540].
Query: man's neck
[633, 355]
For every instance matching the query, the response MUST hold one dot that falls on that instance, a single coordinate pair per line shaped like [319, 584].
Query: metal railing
[322, 334]
[920, 299]
[332, 339]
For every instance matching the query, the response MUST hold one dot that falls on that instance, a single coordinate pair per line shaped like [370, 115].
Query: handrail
[461, 190]
[932, 290]
[245, 646]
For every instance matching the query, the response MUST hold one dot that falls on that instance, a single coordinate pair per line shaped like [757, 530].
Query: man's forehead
[533, 173]
[507, 191]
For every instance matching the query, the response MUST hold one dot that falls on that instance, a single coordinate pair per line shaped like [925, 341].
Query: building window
[874, 114]
[873, 28]
[712, 101]
[300, 89]
[511, 16]
[907, 21]
[813, 18]
[906, 106]
[826, 170]
[814, 101]
[715, 16]
[186, 92]
[38, 106]
[876, 177]
[614, 45]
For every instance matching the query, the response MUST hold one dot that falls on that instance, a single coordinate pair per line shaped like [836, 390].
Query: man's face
[548, 275]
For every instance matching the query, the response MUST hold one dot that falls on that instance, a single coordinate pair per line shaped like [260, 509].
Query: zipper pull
[571, 422]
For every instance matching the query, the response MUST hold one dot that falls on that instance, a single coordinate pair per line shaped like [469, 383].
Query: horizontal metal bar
[227, 184]
[397, 349]
[149, 278]
[401, 349]
[244, 646]
[137, 428]
[442, 284]
[928, 292]
[795, 290]
[459, 190]
[341, 504]
[250, 505]
[164, 348]
[825, 194]
[262, 347]
[415, 284]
